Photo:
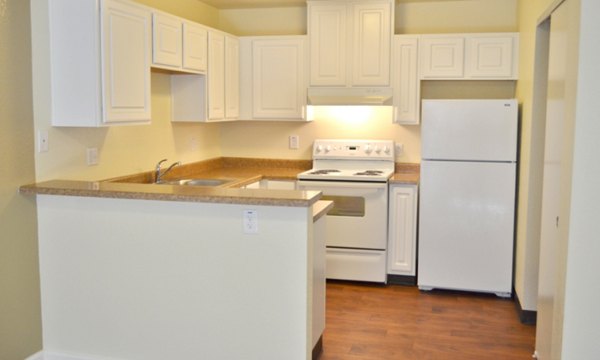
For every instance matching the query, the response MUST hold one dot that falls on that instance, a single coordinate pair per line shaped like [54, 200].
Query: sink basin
[195, 182]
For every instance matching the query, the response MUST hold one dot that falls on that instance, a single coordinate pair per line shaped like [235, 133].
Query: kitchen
[190, 142]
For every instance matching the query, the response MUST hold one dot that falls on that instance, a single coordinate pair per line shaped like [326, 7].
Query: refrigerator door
[466, 217]
[479, 130]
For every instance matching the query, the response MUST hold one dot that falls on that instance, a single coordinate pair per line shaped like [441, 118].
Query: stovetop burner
[369, 173]
[324, 172]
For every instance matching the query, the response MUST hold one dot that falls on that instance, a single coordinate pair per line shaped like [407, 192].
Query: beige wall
[531, 161]
[423, 17]
[264, 21]
[20, 324]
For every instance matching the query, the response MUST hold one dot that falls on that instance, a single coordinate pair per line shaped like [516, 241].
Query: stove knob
[386, 150]
[327, 148]
[319, 149]
[377, 149]
[368, 149]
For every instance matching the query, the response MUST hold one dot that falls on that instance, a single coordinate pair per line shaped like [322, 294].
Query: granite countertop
[238, 172]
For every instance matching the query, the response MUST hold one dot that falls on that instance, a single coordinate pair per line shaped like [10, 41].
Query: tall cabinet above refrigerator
[467, 192]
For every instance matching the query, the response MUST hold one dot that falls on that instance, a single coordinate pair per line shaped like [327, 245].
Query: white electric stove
[354, 174]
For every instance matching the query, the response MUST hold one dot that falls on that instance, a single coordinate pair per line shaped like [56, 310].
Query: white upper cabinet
[405, 79]
[195, 43]
[100, 55]
[274, 78]
[490, 56]
[442, 57]
[350, 42]
[166, 41]
[216, 75]
[371, 43]
[223, 76]
[178, 44]
[232, 77]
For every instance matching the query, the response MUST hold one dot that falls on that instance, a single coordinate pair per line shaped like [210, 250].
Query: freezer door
[466, 225]
[484, 130]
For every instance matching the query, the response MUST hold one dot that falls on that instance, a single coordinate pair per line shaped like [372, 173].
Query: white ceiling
[241, 4]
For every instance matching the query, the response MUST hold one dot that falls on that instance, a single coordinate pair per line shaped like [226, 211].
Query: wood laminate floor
[399, 322]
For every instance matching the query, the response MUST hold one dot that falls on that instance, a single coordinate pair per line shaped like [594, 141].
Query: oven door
[358, 219]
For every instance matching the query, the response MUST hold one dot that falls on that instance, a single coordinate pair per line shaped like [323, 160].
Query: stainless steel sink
[195, 182]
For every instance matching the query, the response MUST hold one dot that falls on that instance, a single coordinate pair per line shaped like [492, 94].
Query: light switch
[294, 141]
[91, 155]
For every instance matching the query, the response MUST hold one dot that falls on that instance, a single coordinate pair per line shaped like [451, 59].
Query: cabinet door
[406, 83]
[491, 56]
[216, 76]
[126, 45]
[279, 89]
[442, 57]
[327, 39]
[195, 42]
[371, 43]
[166, 40]
[402, 230]
[232, 77]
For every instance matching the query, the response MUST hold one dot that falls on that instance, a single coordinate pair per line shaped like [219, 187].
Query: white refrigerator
[467, 195]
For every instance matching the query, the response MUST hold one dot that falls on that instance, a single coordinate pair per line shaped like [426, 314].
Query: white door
[442, 57]
[279, 89]
[466, 225]
[371, 43]
[469, 130]
[551, 195]
[126, 45]
[232, 77]
[166, 40]
[216, 76]
[195, 42]
[359, 217]
[327, 40]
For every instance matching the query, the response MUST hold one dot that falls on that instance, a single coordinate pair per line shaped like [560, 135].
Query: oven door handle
[340, 184]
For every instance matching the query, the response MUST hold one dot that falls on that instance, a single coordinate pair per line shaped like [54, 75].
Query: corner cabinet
[99, 54]
[402, 233]
[350, 42]
[223, 76]
[273, 78]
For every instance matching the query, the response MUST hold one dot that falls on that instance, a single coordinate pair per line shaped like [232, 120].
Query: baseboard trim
[401, 280]
[318, 349]
[47, 355]
[527, 317]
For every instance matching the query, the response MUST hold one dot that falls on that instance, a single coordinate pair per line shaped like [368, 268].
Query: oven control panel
[358, 149]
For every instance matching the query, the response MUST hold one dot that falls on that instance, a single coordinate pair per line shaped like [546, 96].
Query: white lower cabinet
[402, 230]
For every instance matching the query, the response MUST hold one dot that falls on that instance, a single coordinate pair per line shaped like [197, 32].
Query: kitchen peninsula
[148, 271]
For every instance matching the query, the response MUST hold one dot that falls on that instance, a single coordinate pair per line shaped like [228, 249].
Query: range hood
[349, 96]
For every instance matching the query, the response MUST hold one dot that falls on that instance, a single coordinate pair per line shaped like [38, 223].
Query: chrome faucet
[157, 174]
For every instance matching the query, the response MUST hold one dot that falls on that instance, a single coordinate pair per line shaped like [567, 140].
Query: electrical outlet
[399, 149]
[91, 156]
[250, 221]
[294, 141]
[42, 141]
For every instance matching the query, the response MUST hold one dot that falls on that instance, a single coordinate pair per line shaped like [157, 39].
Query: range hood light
[350, 96]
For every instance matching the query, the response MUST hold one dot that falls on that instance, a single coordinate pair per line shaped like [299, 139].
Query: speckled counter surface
[406, 174]
[237, 171]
